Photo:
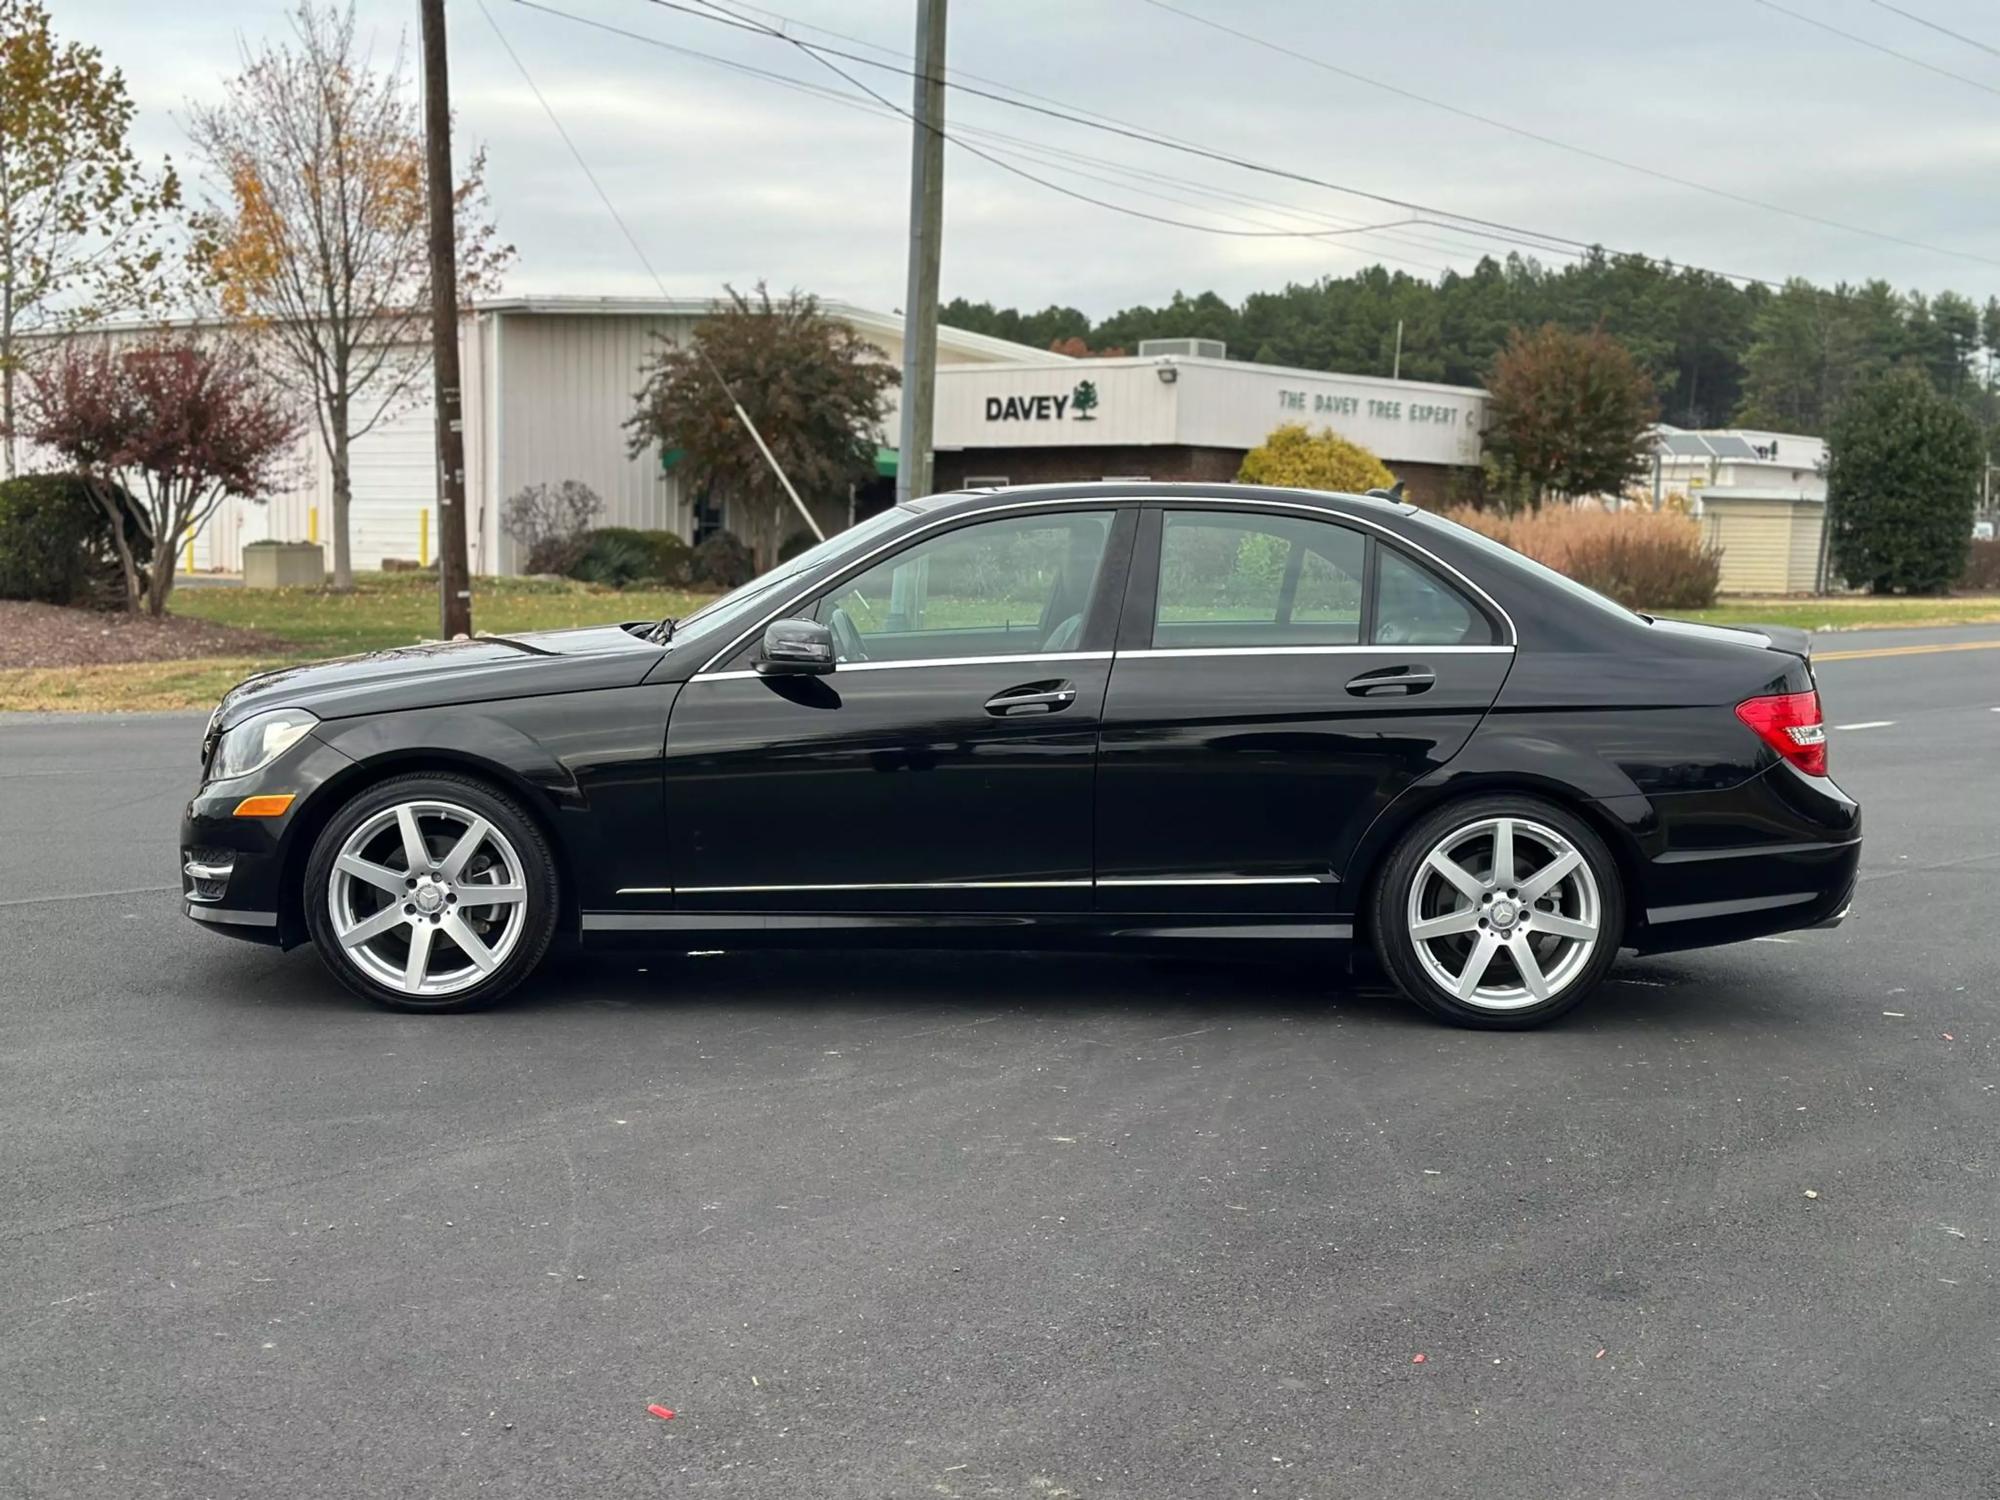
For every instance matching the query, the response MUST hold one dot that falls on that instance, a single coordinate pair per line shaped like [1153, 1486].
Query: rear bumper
[1779, 853]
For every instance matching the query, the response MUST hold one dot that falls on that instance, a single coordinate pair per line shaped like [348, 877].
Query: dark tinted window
[1414, 607]
[1231, 578]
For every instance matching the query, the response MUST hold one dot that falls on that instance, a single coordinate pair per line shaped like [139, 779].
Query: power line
[1956, 36]
[631, 239]
[1358, 229]
[1543, 239]
[1873, 46]
[1021, 172]
[1537, 136]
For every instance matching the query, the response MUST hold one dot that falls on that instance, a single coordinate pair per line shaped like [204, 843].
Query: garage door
[394, 470]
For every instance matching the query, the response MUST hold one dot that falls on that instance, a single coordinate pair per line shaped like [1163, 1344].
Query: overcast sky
[726, 177]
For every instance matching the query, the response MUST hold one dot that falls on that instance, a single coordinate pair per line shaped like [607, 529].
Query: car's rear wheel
[1499, 911]
[431, 892]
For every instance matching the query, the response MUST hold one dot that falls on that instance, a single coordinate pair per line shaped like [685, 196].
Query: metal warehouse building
[551, 381]
[549, 384]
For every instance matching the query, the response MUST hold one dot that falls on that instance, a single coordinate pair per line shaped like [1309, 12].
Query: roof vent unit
[1184, 348]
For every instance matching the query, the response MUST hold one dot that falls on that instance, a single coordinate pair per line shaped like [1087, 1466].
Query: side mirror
[796, 648]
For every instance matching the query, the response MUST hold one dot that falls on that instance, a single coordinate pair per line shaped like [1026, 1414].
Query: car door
[1281, 675]
[945, 764]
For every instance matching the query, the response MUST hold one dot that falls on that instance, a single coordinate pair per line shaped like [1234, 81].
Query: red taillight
[1790, 724]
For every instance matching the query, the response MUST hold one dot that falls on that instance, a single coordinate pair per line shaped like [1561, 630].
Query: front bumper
[238, 873]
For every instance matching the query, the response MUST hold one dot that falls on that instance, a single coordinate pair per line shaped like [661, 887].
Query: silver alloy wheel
[427, 897]
[1504, 913]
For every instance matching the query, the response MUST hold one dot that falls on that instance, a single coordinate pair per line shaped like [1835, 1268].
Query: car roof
[970, 500]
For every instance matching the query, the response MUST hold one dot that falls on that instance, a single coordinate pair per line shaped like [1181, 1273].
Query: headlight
[255, 743]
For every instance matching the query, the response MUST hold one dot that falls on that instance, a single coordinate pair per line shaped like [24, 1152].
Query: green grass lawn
[385, 609]
[1862, 612]
[395, 609]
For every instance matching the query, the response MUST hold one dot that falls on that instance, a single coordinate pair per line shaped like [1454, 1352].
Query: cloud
[729, 177]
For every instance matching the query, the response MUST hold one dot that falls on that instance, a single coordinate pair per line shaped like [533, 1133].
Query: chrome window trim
[1018, 659]
[1030, 658]
[1194, 500]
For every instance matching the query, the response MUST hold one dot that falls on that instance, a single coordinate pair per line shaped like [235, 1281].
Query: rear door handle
[1402, 681]
[1031, 698]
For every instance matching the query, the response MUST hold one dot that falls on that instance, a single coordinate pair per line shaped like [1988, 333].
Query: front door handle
[1402, 681]
[1031, 698]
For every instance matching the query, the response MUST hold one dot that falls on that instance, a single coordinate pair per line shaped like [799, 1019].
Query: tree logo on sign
[1084, 400]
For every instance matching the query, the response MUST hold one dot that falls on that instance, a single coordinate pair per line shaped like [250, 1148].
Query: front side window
[997, 588]
[1237, 579]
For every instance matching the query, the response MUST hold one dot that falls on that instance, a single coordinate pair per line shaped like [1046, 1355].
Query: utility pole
[920, 301]
[1396, 373]
[454, 574]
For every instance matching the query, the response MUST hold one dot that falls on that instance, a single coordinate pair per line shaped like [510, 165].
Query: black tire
[514, 856]
[1506, 1000]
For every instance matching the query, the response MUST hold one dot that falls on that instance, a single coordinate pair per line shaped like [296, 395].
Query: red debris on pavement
[664, 1413]
[1419, 1359]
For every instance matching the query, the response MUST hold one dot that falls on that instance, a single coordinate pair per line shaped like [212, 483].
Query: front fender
[587, 767]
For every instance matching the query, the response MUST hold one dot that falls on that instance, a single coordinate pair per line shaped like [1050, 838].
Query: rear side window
[1414, 607]
[1242, 579]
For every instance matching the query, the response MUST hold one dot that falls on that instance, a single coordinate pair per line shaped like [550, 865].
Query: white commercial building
[1761, 497]
[1179, 410]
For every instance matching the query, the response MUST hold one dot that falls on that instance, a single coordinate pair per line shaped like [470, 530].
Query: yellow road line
[1820, 656]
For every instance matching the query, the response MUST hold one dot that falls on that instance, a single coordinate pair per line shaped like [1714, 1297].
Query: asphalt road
[1003, 1226]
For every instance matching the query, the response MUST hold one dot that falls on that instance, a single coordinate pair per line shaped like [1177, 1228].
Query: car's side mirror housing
[796, 648]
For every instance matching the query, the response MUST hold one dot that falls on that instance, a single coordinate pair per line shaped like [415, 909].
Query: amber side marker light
[269, 805]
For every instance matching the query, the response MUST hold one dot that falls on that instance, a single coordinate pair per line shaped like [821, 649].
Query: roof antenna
[1395, 493]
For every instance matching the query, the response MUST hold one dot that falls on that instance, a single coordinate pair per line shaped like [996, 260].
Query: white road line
[1867, 724]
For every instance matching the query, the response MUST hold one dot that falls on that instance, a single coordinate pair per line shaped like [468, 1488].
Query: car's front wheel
[431, 892]
[1499, 911]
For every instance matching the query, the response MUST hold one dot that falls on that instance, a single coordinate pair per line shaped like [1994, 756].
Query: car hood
[442, 672]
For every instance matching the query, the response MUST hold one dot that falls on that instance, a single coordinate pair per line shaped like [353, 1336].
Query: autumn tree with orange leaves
[314, 229]
[82, 219]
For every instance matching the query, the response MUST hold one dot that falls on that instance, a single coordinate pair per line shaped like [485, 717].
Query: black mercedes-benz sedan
[1123, 714]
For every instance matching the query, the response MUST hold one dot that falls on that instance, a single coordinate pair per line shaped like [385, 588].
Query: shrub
[1902, 479]
[620, 556]
[723, 562]
[551, 524]
[55, 544]
[1305, 460]
[1644, 560]
[797, 542]
[1982, 568]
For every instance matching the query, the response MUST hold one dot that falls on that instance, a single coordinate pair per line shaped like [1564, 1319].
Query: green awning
[885, 462]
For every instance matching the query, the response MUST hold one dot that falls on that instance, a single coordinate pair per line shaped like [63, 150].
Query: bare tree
[80, 218]
[314, 230]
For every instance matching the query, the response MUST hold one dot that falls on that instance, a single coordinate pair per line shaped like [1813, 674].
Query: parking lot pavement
[1002, 1226]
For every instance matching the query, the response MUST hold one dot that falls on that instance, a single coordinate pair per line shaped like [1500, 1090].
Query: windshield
[758, 592]
[1521, 560]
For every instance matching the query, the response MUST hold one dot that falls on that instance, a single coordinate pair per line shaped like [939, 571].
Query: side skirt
[944, 930]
